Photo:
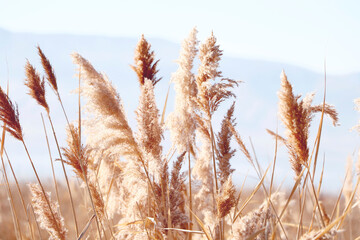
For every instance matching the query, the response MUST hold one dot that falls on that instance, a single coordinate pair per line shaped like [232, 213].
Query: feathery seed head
[185, 88]
[225, 153]
[108, 127]
[9, 114]
[75, 155]
[145, 64]
[297, 120]
[53, 224]
[209, 55]
[176, 196]
[150, 132]
[296, 115]
[36, 85]
[49, 71]
[226, 198]
[78, 156]
[210, 95]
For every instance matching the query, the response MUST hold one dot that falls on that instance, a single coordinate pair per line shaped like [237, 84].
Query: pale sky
[296, 32]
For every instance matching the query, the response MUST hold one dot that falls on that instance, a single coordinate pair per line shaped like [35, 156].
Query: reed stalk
[21, 195]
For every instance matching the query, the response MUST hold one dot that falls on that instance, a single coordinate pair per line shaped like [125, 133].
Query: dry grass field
[128, 187]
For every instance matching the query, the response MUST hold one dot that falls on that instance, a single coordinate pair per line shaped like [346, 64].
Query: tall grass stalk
[11, 202]
[57, 227]
[36, 88]
[66, 177]
[52, 164]
[20, 194]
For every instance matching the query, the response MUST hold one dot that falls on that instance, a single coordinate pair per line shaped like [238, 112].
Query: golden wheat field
[128, 186]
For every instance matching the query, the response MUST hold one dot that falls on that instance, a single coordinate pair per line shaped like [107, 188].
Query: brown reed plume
[176, 195]
[170, 211]
[37, 91]
[296, 119]
[52, 223]
[49, 71]
[9, 114]
[226, 199]
[209, 55]
[150, 132]
[36, 85]
[296, 116]
[78, 157]
[211, 92]
[225, 153]
[145, 65]
[161, 190]
[211, 95]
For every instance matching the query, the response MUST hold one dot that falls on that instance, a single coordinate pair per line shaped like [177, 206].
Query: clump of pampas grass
[108, 131]
[141, 187]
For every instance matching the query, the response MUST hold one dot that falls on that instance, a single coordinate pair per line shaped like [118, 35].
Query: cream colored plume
[149, 133]
[108, 128]
[108, 131]
[185, 88]
[52, 223]
[203, 173]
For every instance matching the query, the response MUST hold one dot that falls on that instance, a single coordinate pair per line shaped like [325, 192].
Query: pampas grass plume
[53, 224]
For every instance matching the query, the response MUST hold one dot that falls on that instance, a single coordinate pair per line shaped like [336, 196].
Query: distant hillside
[256, 107]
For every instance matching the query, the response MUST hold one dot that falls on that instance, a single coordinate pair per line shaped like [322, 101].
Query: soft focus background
[259, 39]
